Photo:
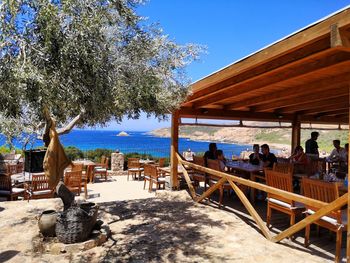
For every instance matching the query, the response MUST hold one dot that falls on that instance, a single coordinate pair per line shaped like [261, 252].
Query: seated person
[338, 153]
[212, 153]
[346, 153]
[222, 160]
[188, 155]
[268, 158]
[298, 156]
[255, 157]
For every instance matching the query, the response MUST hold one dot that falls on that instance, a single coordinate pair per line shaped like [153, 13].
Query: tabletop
[243, 166]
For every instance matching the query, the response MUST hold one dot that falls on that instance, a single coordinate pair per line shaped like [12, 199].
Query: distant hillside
[278, 138]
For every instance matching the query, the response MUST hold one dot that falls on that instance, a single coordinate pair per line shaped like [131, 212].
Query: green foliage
[95, 155]
[5, 149]
[73, 153]
[96, 58]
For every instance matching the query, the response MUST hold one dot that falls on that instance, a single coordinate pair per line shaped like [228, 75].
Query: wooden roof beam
[302, 38]
[327, 108]
[310, 67]
[339, 37]
[308, 99]
[232, 115]
[306, 88]
[322, 104]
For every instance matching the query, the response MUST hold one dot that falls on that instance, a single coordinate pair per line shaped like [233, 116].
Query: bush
[95, 155]
[5, 149]
[73, 153]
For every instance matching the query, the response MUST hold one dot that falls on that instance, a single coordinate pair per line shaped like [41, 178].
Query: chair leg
[307, 236]
[144, 184]
[128, 176]
[268, 215]
[221, 196]
[292, 222]
[150, 188]
[338, 246]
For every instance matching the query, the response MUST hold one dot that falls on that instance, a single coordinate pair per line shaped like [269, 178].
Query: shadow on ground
[7, 255]
[159, 230]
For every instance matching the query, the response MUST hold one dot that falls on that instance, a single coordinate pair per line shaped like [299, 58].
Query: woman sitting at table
[255, 157]
[211, 154]
[300, 160]
[222, 160]
[268, 158]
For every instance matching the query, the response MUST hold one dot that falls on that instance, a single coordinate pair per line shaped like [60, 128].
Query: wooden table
[251, 170]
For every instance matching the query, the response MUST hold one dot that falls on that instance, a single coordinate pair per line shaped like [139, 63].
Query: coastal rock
[123, 133]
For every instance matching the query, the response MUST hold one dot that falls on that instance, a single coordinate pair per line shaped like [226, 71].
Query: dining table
[249, 171]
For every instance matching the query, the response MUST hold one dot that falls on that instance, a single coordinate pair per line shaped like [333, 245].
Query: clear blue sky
[231, 29]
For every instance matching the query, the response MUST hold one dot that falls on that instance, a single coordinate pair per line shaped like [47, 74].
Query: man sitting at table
[268, 158]
[255, 157]
[338, 154]
[211, 154]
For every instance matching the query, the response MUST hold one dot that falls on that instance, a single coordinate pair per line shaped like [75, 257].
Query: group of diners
[265, 158]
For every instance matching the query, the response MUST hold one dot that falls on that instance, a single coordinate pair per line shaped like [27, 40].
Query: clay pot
[47, 223]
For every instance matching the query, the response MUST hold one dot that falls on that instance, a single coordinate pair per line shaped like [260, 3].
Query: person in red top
[298, 156]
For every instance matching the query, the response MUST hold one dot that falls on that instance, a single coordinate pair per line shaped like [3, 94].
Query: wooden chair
[215, 165]
[155, 178]
[84, 177]
[134, 168]
[161, 162]
[286, 168]
[39, 187]
[103, 169]
[335, 221]
[72, 179]
[90, 173]
[147, 175]
[7, 190]
[283, 181]
[198, 176]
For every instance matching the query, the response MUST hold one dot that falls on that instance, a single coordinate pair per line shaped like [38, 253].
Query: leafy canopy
[96, 57]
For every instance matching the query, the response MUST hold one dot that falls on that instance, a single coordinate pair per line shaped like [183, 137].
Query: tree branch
[70, 125]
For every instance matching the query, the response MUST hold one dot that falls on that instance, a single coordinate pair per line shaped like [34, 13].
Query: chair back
[320, 190]
[89, 172]
[40, 182]
[282, 181]
[215, 165]
[134, 163]
[323, 191]
[106, 163]
[77, 167]
[316, 166]
[73, 179]
[5, 183]
[199, 160]
[147, 169]
[282, 160]
[153, 171]
[286, 168]
[161, 162]
[103, 159]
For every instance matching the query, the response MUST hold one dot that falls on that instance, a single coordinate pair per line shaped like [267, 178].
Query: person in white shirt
[338, 154]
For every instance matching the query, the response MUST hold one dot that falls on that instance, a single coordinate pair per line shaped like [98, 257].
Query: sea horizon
[141, 142]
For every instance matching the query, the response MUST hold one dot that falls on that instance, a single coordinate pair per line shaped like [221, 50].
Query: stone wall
[117, 164]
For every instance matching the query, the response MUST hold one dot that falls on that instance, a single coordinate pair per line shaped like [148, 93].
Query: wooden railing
[324, 208]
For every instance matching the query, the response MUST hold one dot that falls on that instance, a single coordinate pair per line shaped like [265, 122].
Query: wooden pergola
[302, 78]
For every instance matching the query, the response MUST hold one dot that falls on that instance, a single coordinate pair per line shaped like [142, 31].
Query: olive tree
[88, 62]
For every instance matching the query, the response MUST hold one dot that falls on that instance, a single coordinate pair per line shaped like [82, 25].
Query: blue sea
[140, 142]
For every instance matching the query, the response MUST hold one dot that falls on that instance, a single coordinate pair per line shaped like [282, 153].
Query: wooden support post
[174, 149]
[251, 210]
[188, 179]
[348, 232]
[296, 127]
